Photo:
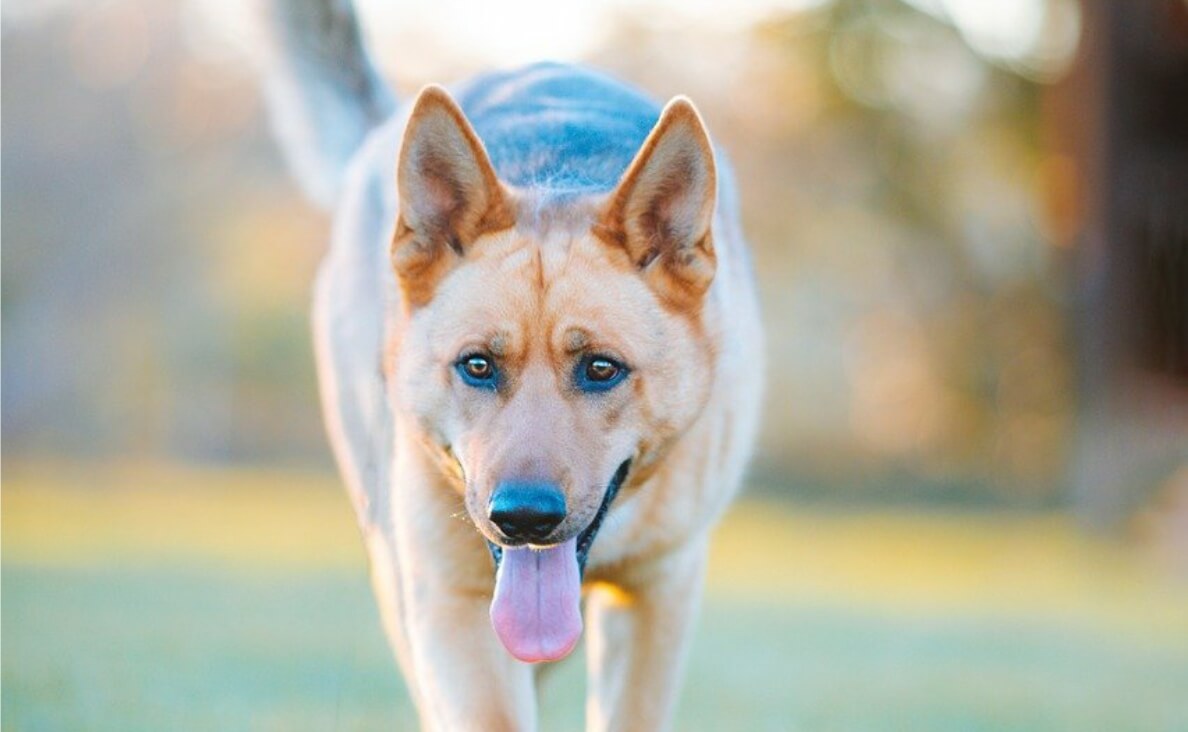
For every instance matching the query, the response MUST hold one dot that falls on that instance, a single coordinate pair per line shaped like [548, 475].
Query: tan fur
[662, 210]
[652, 275]
[451, 195]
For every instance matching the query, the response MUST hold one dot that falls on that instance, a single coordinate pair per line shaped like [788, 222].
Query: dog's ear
[449, 194]
[662, 209]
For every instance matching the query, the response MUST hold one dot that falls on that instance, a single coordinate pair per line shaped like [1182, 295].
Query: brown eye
[477, 370]
[601, 369]
[478, 367]
[595, 374]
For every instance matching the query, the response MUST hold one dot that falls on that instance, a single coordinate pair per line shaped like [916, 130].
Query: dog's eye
[478, 367]
[601, 369]
[599, 373]
[477, 370]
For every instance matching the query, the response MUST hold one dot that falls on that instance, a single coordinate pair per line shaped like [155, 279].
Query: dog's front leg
[464, 679]
[637, 640]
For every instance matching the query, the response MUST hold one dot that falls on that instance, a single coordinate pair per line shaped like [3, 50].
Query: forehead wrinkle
[540, 278]
[556, 248]
[613, 307]
[556, 265]
[531, 287]
[557, 227]
[517, 260]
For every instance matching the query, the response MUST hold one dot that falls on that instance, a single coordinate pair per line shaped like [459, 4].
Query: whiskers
[463, 516]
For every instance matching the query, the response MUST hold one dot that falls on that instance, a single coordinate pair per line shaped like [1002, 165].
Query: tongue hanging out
[536, 610]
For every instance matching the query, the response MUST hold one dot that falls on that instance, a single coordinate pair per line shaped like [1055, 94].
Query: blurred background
[969, 507]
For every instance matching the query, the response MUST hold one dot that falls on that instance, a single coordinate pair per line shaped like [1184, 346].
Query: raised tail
[324, 93]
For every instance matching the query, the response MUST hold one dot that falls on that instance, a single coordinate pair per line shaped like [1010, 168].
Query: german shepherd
[540, 360]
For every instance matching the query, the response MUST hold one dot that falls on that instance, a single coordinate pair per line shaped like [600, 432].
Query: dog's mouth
[536, 606]
[585, 540]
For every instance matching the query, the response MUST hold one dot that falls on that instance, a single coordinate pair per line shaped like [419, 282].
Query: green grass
[161, 599]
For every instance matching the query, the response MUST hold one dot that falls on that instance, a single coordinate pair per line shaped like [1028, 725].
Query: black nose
[526, 512]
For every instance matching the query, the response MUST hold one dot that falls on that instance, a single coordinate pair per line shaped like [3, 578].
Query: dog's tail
[324, 93]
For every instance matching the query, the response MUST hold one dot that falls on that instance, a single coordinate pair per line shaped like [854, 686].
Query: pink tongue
[536, 610]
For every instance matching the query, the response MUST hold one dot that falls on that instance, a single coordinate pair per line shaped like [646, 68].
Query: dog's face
[546, 358]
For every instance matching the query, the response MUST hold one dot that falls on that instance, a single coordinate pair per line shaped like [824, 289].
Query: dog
[540, 361]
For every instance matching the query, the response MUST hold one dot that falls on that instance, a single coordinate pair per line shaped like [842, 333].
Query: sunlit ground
[145, 597]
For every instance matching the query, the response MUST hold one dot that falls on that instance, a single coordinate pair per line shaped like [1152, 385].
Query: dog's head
[547, 356]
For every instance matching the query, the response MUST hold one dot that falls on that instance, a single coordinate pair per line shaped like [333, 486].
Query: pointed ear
[449, 194]
[662, 209]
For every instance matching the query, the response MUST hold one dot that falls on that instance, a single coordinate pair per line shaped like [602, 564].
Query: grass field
[160, 598]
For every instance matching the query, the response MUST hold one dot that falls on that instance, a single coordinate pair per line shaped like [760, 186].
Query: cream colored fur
[419, 454]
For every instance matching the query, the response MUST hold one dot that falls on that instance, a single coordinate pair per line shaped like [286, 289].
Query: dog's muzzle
[527, 513]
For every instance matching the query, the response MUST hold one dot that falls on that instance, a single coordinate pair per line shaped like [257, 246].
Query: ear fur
[449, 194]
[662, 210]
